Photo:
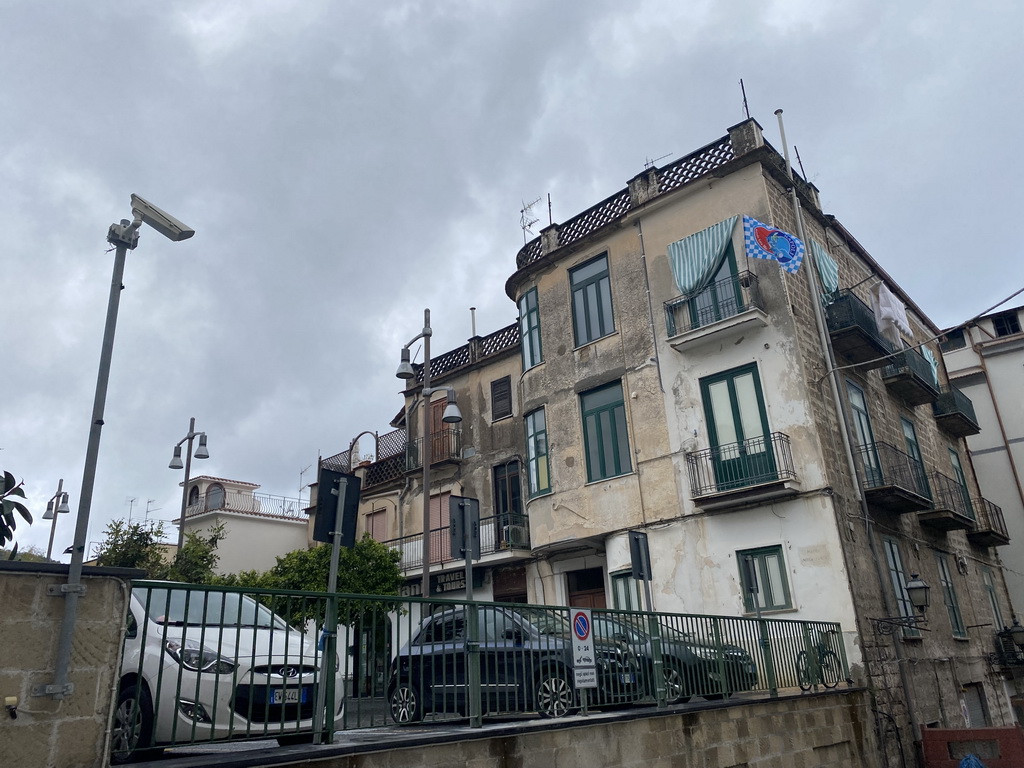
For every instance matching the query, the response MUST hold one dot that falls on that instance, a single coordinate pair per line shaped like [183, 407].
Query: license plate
[627, 678]
[287, 696]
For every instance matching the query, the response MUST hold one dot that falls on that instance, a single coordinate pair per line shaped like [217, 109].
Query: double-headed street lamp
[57, 505]
[451, 416]
[200, 453]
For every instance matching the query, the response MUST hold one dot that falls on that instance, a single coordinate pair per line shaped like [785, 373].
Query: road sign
[583, 661]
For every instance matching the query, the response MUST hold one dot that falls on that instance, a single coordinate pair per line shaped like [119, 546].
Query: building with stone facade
[749, 419]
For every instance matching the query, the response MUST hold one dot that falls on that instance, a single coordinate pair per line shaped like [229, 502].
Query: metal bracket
[53, 690]
[65, 589]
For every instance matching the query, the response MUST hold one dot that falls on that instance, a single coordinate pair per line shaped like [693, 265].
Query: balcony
[720, 312]
[891, 479]
[246, 503]
[742, 474]
[954, 413]
[953, 509]
[911, 378]
[854, 332]
[445, 447]
[990, 527]
[500, 533]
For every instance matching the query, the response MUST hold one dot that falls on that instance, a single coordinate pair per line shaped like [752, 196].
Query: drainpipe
[845, 432]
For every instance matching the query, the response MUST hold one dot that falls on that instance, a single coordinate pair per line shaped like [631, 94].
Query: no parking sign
[583, 662]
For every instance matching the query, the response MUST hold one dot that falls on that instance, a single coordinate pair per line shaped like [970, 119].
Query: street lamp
[60, 501]
[200, 453]
[451, 415]
[124, 237]
[918, 593]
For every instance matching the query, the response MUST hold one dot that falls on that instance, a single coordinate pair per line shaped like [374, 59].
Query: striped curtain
[828, 270]
[696, 259]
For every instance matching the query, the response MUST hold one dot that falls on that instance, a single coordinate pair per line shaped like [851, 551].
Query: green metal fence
[214, 663]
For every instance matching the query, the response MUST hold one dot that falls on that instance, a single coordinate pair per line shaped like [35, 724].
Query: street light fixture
[918, 592]
[451, 415]
[200, 453]
[60, 501]
[124, 237]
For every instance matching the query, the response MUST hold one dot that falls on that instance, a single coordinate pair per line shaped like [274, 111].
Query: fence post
[723, 678]
[769, 660]
[473, 657]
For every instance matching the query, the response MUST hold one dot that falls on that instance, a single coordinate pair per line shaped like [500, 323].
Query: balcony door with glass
[721, 298]
[867, 452]
[738, 428]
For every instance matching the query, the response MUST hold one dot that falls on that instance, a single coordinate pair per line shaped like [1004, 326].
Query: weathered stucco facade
[714, 420]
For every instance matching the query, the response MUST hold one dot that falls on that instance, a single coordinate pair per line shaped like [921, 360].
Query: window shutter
[501, 398]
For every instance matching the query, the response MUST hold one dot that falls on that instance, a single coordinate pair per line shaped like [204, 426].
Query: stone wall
[834, 730]
[72, 732]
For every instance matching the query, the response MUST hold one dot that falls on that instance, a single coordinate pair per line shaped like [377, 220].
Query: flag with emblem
[764, 242]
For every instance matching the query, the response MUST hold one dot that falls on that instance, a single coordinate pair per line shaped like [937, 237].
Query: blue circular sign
[581, 626]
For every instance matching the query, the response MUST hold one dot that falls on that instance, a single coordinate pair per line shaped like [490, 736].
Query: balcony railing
[954, 412]
[718, 301]
[497, 534]
[262, 504]
[854, 332]
[990, 527]
[910, 377]
[445, 445]
[735, 466]
[892, 479]
[953, 509]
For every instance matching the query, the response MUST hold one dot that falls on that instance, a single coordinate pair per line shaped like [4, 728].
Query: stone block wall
[71, 732]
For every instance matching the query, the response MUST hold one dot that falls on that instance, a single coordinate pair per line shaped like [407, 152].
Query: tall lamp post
[200, 453]
[451, 416]
[57, 505]
[124, 237]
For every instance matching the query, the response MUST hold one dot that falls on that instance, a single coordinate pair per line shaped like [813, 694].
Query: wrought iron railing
[989, 517]
[947, 493]
[882, 465]
[911, 362]
[205, 664]
[846, 312]
[718, 301]
[952, 402]
[731, 467]
[445, 445]
[262, 504]
[497, 534]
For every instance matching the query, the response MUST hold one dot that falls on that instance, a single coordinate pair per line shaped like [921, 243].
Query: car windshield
[192, 607]
[545, 621]
[611, 629]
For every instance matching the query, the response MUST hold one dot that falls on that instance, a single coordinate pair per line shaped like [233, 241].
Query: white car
[203, 665]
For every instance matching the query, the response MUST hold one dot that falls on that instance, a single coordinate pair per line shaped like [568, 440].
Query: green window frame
[538, 471]
[956, 620]
[773, 585]
[626, 591]
[605, 436]
[898, 581]
[592, 316]
[529, 330]
[989, 580]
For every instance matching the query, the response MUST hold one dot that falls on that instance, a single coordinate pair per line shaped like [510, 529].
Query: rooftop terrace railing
[260, 504]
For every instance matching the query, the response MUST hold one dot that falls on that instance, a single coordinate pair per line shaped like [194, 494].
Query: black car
[691, 666]
[525, 666]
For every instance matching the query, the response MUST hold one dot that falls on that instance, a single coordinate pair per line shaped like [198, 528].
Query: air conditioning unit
[515, 536]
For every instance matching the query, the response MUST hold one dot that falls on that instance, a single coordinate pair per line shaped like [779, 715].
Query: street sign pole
[640, 555]
[464, 514]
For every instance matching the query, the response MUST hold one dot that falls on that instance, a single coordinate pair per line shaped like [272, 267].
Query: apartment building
[765, 423]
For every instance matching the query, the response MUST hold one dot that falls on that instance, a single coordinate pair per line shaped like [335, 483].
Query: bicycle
[821, 665]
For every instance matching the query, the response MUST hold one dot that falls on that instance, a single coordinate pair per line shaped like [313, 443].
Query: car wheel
[132, 734]
[405, 704]
[554, 695]
[675, 686]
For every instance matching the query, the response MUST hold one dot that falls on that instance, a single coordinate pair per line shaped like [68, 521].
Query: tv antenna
[148, 510]
[527, 218]
[130, 501]
[301, 486]
[648, 163]
[746, 109]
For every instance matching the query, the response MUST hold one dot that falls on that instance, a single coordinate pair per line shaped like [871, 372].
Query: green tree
[198, 557]
[134, 545]
[12, 497]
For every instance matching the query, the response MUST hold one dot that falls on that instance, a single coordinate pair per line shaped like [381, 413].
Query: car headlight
[198, 658]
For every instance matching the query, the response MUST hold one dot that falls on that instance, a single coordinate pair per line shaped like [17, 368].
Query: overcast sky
[347, 164]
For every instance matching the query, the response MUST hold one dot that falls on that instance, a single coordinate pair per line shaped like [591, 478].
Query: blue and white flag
[764, 242]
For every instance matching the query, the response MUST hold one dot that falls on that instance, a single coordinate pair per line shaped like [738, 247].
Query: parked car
[691, 666]
[210, 666]
[525, 666]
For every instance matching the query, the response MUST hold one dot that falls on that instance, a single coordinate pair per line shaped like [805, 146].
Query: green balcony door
[721, 299]
[738, 428]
